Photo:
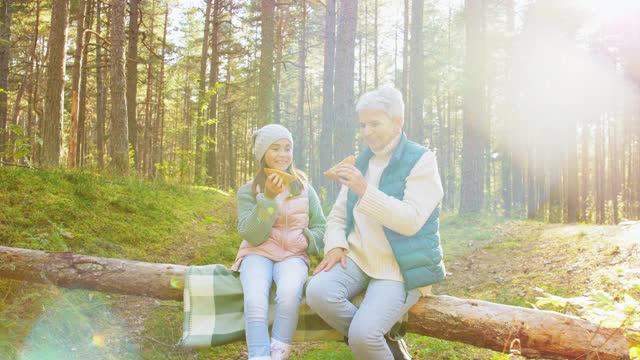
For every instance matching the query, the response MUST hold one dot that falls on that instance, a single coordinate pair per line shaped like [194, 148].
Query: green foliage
[20, 149]
[618, 310]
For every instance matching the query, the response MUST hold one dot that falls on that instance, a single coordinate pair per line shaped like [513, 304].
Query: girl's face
[377, 128]
[279, 155]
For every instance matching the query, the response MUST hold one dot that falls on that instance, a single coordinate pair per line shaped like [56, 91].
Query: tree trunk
[265, 92]
[302, 56]
[75, 86]
[34, 68]
[344, 73]
[100, 90]
[119, 123]
[493, 326]
[82, 147]
[5, 55]
[212, 128]
[474, 139]
[230, 150]
[158, 127]
[132, 78]
[416, 121]
[572, 176]
[405, 58]
[202, 87]
[54, 97]
[279, 47]
[599, 166]
[328, 115]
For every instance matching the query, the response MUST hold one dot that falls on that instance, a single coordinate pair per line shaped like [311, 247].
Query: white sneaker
[279, 350]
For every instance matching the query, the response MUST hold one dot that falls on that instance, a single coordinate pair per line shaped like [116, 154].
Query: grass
[96, 215]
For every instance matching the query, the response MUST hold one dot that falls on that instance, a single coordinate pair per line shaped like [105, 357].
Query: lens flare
[99, 340]
[176, 282]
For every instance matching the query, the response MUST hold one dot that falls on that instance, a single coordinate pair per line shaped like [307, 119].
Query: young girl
[280, 225]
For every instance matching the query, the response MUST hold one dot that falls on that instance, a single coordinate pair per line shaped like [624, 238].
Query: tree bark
[493, 326]
[328, 116]
[415, 129]
[265, 92]
[5, 55]
[82, 146]
[119, 122]
[75, 87]
[54, 97]
[344, 73]
[100, 89]
[474, 130]
[132, 78]
[299, 148]
[212, 126]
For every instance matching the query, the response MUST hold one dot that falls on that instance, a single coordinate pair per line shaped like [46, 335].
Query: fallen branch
[488, 325]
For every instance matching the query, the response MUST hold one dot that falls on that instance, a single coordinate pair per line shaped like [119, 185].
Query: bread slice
[331, 173]
[286, 177]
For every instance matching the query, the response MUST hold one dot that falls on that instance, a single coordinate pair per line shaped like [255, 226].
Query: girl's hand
[333, 257]
[352, 178]
[273, 186]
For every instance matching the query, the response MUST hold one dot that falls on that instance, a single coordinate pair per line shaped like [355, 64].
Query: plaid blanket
[214, 311]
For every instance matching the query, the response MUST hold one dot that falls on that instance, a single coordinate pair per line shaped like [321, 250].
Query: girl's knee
[256, 306]
[289, 296]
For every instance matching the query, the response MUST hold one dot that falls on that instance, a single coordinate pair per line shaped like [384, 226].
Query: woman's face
[279, 155]
[377, 128]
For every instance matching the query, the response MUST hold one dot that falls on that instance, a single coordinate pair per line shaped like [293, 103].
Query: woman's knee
[362, 338]
[316, 293]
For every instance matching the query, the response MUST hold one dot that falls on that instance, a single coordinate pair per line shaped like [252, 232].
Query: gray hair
[386, 98]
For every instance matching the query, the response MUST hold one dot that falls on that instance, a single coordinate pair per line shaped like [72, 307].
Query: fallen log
[488, 325]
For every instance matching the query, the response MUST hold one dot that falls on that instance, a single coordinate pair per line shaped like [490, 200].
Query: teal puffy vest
[420, 255]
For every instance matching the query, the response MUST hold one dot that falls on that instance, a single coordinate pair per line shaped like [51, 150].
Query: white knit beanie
[267, 135]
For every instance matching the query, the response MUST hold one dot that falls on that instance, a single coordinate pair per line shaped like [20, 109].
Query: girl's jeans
[256, 274]
[384, 303]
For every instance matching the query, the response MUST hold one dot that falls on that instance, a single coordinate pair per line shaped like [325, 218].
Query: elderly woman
[382, 232]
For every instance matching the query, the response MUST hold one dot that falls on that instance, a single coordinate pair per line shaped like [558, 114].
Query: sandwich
[286, 177]
[332, 174]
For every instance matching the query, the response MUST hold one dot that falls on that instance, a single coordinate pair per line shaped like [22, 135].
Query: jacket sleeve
[317, 224]
[256, 215]
[422, 195]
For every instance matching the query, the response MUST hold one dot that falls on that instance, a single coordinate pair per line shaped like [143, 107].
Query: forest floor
[487, 258]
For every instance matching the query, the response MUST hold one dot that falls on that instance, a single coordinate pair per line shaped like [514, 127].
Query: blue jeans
[385, 301]
[257, 274]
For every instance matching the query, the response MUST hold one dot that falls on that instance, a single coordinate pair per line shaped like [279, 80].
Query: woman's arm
[256, 215]
[423, 192]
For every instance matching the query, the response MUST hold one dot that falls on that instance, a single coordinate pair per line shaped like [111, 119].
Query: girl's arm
[256, 215]
[317, 223]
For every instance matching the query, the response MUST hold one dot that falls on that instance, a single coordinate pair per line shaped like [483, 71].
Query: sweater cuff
[339, 243]
[374, 203]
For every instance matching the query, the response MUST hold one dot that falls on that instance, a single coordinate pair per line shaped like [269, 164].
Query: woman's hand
[333, 257]
[273, 186]
[352, 178]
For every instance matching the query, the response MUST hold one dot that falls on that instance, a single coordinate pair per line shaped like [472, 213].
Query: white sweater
[367, 244]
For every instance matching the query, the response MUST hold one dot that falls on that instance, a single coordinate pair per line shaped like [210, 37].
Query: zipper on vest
[286, 221]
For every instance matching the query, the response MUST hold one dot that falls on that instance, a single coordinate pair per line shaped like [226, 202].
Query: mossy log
[488, 325]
